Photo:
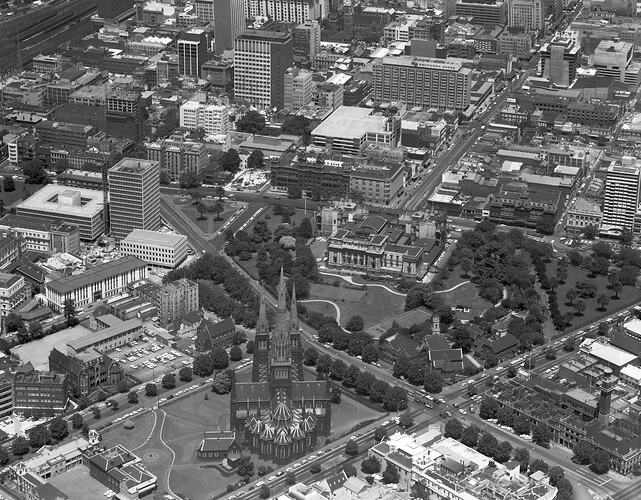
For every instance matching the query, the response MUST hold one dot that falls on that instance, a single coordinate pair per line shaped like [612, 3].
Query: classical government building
[278, 414]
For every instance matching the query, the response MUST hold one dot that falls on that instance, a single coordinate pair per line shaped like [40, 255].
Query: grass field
[374, 305]
[209, 225]
[467, 296]
[593, 312]
[129, 438]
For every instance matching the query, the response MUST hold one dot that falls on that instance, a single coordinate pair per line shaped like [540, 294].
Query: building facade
[286, 11]
[261, 59]
[87, 371]
[134, 196]
[43, 235]
[176, 157]
[213, 118]
[560, 58]
[621, 196]
[229, 23]
[124, 114]
[419, 81]
[278, 414]
[40, 393]
[13, 292]
[192, 51]
[526, 14]
[155, 248]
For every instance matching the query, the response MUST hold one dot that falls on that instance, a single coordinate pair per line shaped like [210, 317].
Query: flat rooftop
[133, 165]
[145, 237]
[424, 62]
[37, 351]
[351, 122]
[93, 338]
[77, 483]
[63, 201]
[95, 274]
[607, 352]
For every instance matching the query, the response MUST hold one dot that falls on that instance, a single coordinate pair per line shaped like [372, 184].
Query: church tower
[261, 344]
[280, 352]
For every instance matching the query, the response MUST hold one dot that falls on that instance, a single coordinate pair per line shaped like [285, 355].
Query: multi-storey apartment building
[487, 12]
[419, 81]
[526, 14]
[134, 196]
[261, 59]
[299, 85]
[287, 11]
[213, 118]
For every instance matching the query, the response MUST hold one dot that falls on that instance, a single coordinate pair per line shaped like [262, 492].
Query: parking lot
[147, 359]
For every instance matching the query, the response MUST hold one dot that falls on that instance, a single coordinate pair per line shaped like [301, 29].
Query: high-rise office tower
[192, 51]
[261, 59]
[526, 14]
[229, 23]
[307, 39]
[482, 11]
[205, 10]
[621, 195]
[134, 196]
[421, 81]
[560, 59]
[299, 84]
[124, 114]
[287, 11]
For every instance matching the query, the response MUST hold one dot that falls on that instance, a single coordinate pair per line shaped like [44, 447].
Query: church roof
[283, 438]
[252, 391]
[311, 389]
[217, 441]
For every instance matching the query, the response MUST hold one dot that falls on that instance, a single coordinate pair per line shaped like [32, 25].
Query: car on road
[297, 465]
[260, 483]
[271, 478]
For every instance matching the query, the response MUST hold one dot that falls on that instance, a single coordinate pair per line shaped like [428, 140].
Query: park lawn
[322, 308]
[374, 304]
[348, 414]
[209, 225]
[466, 296]
[453, 278]
[629, 295]
[129, 438]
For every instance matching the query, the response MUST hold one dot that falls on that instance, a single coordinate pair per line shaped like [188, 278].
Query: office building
[78, 207]
[120, 470]
[220, 75]
[307, 39]
[612, 58]
[515, 43]
[583, 213]
[173, 300]
[134, 196]
[40, 393]
[261, 59]
[286, 11]
[43, 235]
[328, 95]
[299, 84]
[100, 282]
[177, 157]
[155, 248]
[229, 23]
[560, 58]
[279, 414]
[124, 114]
[13, 292]
[86, 371]
[348, 130]
[192, 51]
[6, 397]
[420, 81]
[205, 10]
[526, 14]
[107, 339]
[12, 246]
[621, 195]
[68, 135]
[213, 118]
[486, 12]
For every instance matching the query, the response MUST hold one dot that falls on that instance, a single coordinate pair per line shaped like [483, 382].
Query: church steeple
[293, 313]
[282, 292]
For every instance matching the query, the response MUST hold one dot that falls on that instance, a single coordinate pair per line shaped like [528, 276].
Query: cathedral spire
[262, 324]
[293, 314]
[282, 292]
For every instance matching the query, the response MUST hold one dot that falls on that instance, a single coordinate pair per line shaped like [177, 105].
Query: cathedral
[278, 414]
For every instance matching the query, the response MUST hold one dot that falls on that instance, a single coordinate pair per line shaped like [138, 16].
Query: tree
[290, 478]
[335, 395]
[488, 408]
[433, 382]
[34, 172]
[470, 436]
[235, 353]
[218, 208]
[351, 448]
[380, 434]
[191, 180]
[453, 429]
[555, 473]
[571, 295]
[132, 397]
[256, 160]
[599, 461]
[264, 491]
[245, 467]
[566, 491]
[185, 374]
[487, 444]
[76, 421]
[603, 300]
[297, 125]
[579, 307]
[590, 232]
[231, 161]
[59, 428]
[19, 446]
[221, 383]
[304, 230]
[323, 364]
[294, 192]
[337, 369]
[395, 398]
[626, 237]
[8, 184]
[355, 323]
[4, 456]
[541, 435]
[462, 338]
[616, 288]
[401, 366]
[39, 436]
[522, 455]
[537, 465]
[503, 452]
[568, 345]
[151, 390]
[70, 312]
[169, 381]
[390, 474]
[466, 265]
[505, 416]
[202, 365]
[13, 322]
[370, 353]
[219, 192]
[35, 330]
[406, 421]
[371, 465]
[219, 358]
[251, 122]
[249, 347]
[310, 356]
